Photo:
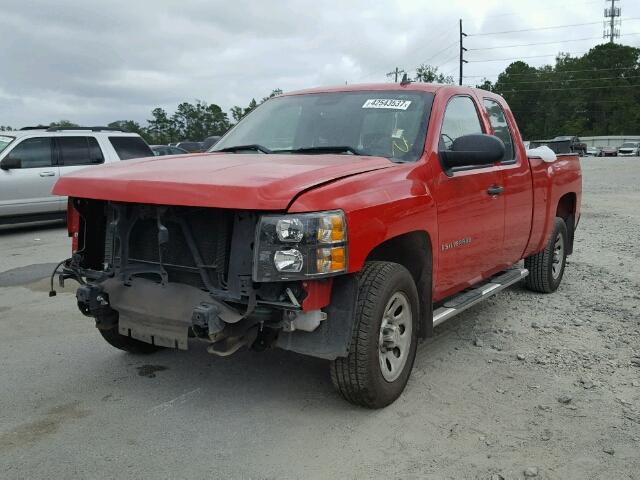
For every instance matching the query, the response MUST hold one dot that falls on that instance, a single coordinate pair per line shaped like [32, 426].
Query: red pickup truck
[341, 223]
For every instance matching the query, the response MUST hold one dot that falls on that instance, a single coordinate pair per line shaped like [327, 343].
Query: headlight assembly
[299, 246]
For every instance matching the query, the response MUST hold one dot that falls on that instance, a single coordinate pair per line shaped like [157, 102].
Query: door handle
[495, 190]
[47, 174]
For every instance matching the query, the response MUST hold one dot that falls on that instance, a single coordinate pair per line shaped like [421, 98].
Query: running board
[468, 298]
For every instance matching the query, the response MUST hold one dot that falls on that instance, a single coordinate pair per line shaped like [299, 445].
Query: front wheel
[384, 340]
[546, 268]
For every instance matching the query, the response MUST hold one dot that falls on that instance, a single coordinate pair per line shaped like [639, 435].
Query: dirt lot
[523, 385]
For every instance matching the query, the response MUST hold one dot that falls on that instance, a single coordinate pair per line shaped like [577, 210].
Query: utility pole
[395, 73]
[610, 15]
[462, 50]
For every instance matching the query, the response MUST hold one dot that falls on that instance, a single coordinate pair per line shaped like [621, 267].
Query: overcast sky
[95, 62]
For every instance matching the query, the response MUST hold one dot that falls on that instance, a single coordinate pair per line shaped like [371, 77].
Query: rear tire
[384, 340]
[128, 344]
[546, 268]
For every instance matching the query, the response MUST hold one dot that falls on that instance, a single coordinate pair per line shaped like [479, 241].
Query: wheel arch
[566, 209]
[413, 250]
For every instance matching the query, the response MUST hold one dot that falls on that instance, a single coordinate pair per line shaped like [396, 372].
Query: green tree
[485, 85]
[63, 123]
[594, 94]
[199, 120]
[160, 128]
[237, 113]
[127, 126]
[429, 74]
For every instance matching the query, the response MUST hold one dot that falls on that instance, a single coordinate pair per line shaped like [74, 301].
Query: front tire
[384, 340]
[546, 268]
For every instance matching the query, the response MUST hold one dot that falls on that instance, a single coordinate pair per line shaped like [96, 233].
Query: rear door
[516, 179]
[27, 190]
[470, 216]
[75, 153]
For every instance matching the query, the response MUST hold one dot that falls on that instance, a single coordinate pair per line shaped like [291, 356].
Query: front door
[26, 190]
[470, 209]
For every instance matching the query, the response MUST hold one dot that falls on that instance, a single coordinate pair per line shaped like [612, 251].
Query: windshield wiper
[324, 149]
[239, 148]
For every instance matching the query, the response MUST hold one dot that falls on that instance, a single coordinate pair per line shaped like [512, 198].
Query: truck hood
[220, 180]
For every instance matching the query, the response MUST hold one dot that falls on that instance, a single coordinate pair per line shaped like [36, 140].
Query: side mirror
[472, 151]
[10, 162]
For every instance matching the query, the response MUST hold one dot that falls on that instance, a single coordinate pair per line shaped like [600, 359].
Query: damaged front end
[163, 274]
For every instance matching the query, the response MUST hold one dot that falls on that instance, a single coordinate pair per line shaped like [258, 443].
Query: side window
[130, 147]
[500, 128]
[95, 152]
[460, 118]
[79, 151]
[33, 153]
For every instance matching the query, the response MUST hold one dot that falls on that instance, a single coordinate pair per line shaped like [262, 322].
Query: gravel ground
[521, 386]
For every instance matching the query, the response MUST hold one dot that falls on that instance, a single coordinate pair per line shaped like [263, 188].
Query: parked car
[32, 160]
[210, 142]
[575, 145]
[562, 144]
[629, 149]
[608, 152]
[162, 150]
[593, 152]
[345, 234]
[191, 147]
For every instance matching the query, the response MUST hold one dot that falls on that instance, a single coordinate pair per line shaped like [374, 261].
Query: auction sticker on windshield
[387, 103]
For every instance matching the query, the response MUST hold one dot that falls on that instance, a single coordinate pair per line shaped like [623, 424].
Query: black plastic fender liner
[332, 338]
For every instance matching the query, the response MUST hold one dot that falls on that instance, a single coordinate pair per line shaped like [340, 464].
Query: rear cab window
[130, 147]
[500, 128]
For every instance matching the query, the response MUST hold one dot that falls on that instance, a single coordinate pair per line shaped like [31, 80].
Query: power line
[577, 80]
[542, 28]
[446, 62]
[543, 43]
[511, 90]
[557, 72]
[395, 73]
[441, 51]
[530, 56]
[565, 4]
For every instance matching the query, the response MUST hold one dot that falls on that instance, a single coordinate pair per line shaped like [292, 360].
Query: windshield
[5, 140]
[390, 124]
[624, 145]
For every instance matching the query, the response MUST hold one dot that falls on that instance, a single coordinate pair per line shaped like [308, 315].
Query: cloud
[94, 62]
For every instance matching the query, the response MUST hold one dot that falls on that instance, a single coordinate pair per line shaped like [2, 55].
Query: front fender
[378, 205]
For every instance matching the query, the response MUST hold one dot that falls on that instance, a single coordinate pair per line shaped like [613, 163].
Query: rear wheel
[546, 268]
[128, 344]
[383, 345]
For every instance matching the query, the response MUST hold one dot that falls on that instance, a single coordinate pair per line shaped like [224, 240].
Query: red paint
[73, 225]
[222, 180]
[381, 200]
[318, 294]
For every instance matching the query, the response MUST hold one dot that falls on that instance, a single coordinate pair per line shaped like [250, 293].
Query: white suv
[629, 149]
[31, 161]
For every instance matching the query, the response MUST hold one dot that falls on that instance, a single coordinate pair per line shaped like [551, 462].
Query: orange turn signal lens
[331, 229]
[338, 259]
[330, 260]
